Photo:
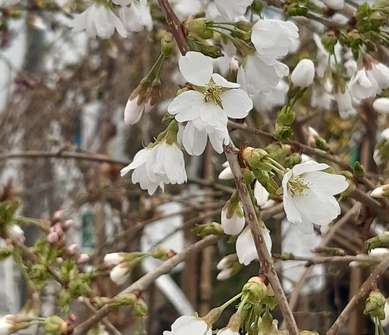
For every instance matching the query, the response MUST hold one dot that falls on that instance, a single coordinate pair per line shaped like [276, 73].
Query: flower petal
[327, 183]
[186, 106]
[222, 82]
[236, 103]
[307, 167]
[194, 140]
[196, 68]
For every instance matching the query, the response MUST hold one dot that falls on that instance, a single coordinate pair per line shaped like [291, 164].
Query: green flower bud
[54, 325]
[253, 156]
[206, 229]
[358, 169]
[162, 253]
[375, 305]
[167, 44]
[286, 116]
[254, 291]
[380, 241]
[198, 27]
[256, 7]
[283, 132]
[292, 160]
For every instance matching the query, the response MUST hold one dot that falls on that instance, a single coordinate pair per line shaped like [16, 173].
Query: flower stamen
[297, 185]
[212, 93]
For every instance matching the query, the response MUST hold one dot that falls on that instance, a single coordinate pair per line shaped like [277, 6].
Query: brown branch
[263, 254]
[362, 294]
[144, 282]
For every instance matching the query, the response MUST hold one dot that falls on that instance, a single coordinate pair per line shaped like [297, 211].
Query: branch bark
[263, 254]
[144, 282]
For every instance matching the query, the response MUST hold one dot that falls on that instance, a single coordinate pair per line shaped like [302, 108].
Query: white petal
[196, 68]
[319, 209]
[327, 183]
[260, 193]
[236, 103]
[245, 247]
[186, 106]
[194, 140]
[309, 166]
[222, 82]
[234, 224]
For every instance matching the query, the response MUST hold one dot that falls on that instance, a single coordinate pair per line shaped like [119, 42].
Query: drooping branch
[144, 282]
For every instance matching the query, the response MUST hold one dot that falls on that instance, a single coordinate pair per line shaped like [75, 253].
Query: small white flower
[303, 74]
[226, 173]
[379, 252]
[257, 75]
[189, 325]
[334, 4]
[137, 16]
[345, 103]
[232, 10]
[227, 266]
[261, 194]
[6, 324]
[362, 87]
[162, 164]
[380, 73]
[232, 218]
[308, 194]
[245, 246]
[113, 258]
[274, 39]
[16, 233]
[214, 99]
[380, 192]
[381, 105]
[265, 101]
[98, 20]
[195, 134]
[119, 274]
[134, 110]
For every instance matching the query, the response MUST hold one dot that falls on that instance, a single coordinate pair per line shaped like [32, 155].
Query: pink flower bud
[52, 237]
[83, 258]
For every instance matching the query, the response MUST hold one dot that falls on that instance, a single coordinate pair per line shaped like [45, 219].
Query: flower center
[297, 185]
[212, 94]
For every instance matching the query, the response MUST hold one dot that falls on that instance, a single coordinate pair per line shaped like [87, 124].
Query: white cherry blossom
[119, 274]
[98, 20]
[137, 16]
[113, 258]
[363, 86]
[195, 135]
[156, 166]
[261, 194]
[6, 324]
[232, 10]
[308, 194]
[274, 39]
[232, 218]
[303, 74]
[209, 105]
[381, 105]
[245, 246]
[256, 75]
[134, 110]
[345, 103]
[226, 173]
[189, 325]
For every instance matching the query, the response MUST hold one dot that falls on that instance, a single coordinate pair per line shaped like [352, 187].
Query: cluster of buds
[375, 305]
[122, 264]
[228, 266]
[57, 235]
